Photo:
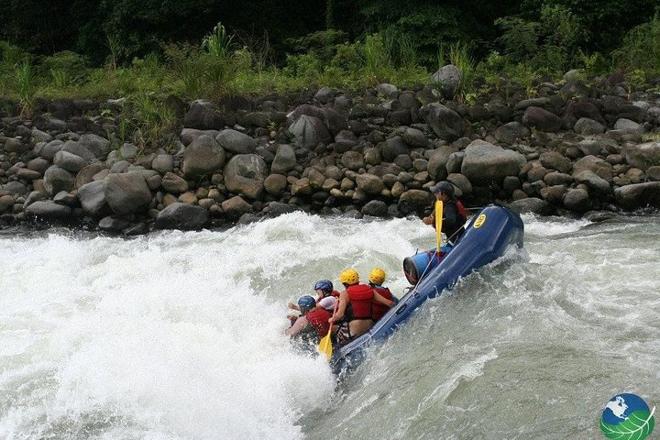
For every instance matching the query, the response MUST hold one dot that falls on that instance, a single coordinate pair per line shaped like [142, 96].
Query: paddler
[323, 289]
[454, 214]
[376, 280]
[354, 314]
[314, 318]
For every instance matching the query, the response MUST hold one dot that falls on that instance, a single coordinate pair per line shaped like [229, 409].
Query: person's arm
[297, 327]
[430, 219]
[382, 300]
[341, 309]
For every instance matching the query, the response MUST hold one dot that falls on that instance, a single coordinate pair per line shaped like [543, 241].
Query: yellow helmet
[377, 276]
[349, 276]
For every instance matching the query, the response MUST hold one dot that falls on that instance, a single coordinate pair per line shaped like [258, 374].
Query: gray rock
[309, 131]
[369, 184]
[190, 134]
[542, 101]
[593, 181]
[27, 174]
[92, 198]
[203, 156]
[97, 145]
[352, 160]
[80, 150]
[6, 202]
[113, 224]
[174, 184]
[16, 188]
[449, 78]
[48, 210]
[577, 200]
[553, 194]
[375, 208]
[387, 90]
[66, 198]
[485, 162]
[182, 216]
[324, 95]
[236, 142]
[509, 133]
[38, 164]
[437, 166]
[40, 136]
[454, 162]
[69, 161]
[628, 125]
[245, 174]
[235, 207]
[653, 173]
[531, 205]
[120, 166]
[203, 115]
[415, 137]
[638, 195]
[128, 151]
[446, 123]
[57, 179]
[35, 196]
[163, 163]
[13, 145]
[557, 178]
[556, 161]
[461, 182]
[285, 160]
[392, 148]
[644, 155]
[127, 193]
[595, 164]
[50, 149]
[541, 119]
[275, 209]
[590, 147]
[275, 184]
[586, 126]
[87, 174]
[414, 200]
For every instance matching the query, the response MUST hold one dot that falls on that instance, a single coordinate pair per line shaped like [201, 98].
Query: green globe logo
[627, 417]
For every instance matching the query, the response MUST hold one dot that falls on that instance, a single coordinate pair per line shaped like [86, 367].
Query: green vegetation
[145, 51]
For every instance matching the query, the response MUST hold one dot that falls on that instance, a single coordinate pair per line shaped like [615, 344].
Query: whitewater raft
[487, 237]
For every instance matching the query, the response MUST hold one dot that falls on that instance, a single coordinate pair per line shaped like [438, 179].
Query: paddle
[325, 345]
[438, 225]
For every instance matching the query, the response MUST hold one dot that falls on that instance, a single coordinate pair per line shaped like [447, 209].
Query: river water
[179, 335]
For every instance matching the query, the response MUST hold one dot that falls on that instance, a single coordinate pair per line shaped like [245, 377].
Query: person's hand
[291, 305]
[428, 220]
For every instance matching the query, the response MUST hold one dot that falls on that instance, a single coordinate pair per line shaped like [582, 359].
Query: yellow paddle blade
[438, 224]
[325, 346]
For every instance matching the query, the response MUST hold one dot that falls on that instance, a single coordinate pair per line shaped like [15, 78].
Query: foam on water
[179, 335]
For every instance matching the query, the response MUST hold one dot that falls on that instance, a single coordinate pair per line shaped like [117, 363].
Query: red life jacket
[318, 318]
[461, 210]
[361, 296]
[380, 309]
[335, 294]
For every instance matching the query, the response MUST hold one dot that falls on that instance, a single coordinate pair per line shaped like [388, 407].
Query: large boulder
[309, 131]
[414, 200]
[375, 208]
[92, 198]
[437, 165]
[587, 126]
[235, 207]
[541, 119]
[245, 174]
[80, 150]
[203, 156]
[57, 179]
[509, 133]
[48, 210]
[595, 164]
[593, 181]
[484, 162]
[174, 184]
[446, 123]
[556, 161]
[638, 195]
[50, 149]
[285, 159]
[236, 142]
[127, 193]
[531, 205]
[203, 115]
[69, 161]
[393, 147]
[643, 156]
[87, 174]
[369, 184]
[414, 137]
[448, 78]
[182, 216]
[577, 200]
[97, 145]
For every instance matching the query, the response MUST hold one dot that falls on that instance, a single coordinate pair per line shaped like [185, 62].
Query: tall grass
[376, 57]
[218, 43]
[26, 86]
[459, 56]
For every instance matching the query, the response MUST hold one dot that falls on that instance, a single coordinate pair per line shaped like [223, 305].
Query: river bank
[575, 147]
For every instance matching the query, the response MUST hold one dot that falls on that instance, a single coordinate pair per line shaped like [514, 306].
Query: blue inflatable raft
[487, 236]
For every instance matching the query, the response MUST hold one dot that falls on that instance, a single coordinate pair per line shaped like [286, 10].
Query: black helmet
[443, 187]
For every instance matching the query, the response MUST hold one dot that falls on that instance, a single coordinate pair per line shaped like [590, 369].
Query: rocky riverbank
[574, 148]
